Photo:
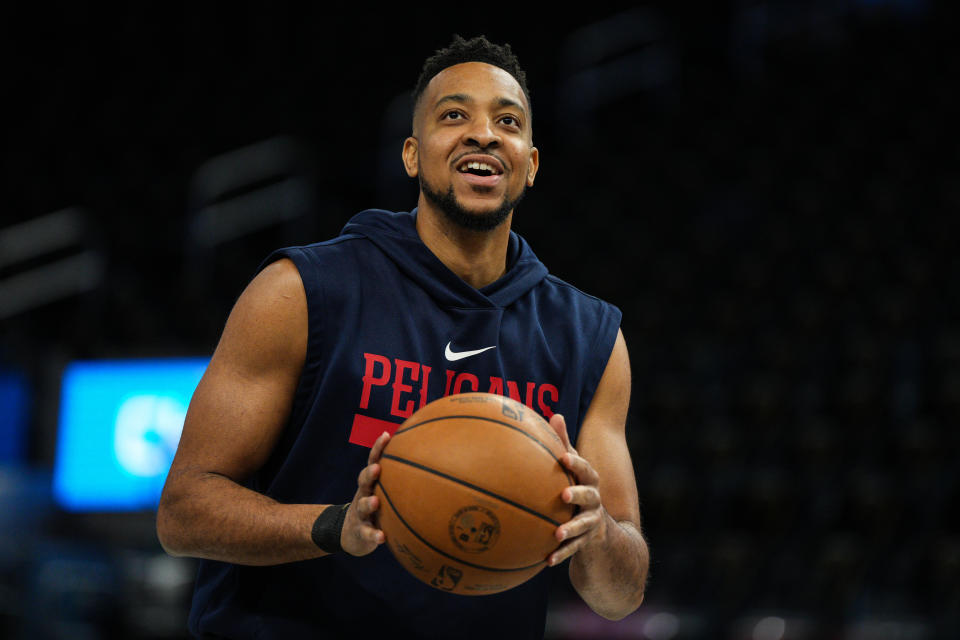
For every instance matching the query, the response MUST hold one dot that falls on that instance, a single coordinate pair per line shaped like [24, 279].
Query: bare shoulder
[612, 397]
[244, 399]
[602, 439]
[269, 319]
[280, 275]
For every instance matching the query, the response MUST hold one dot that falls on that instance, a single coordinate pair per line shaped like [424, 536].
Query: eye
[510, 121]
[452, 115]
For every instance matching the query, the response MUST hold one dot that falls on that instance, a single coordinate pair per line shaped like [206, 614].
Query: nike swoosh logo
[453, 356]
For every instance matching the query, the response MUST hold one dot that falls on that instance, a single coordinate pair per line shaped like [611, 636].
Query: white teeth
[479, 166]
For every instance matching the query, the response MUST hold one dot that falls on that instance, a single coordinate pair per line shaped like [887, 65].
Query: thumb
[559, 425]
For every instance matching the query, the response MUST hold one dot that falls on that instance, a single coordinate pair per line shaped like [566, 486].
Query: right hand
[360, 535]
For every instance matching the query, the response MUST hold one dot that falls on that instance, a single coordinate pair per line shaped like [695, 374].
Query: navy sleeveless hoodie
[385, 319]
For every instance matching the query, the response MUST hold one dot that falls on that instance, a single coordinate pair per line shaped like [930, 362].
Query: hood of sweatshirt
[396, 235]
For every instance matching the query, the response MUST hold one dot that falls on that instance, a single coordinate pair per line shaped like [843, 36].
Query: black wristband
[327, 528]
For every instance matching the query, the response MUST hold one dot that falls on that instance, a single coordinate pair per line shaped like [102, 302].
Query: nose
[481, 134]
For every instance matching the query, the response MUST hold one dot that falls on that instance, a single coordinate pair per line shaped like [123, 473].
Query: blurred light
[147, 429]
[661, 626]
[250, 212]
[120, 423]
[770, 628]
[247, 189]
[40, 235]
[72, 275]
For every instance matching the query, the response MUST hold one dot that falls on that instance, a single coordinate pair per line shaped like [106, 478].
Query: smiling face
[472, 145]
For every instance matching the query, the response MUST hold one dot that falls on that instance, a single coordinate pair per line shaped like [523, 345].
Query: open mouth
[479, 168]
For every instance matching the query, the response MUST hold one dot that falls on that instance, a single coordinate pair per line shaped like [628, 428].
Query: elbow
[168, 529]
[613, 587]
[167, 541]
[616, 610]
[613, 601]
[622, 609]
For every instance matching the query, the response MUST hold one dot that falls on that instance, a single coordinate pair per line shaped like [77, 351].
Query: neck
[478, 257]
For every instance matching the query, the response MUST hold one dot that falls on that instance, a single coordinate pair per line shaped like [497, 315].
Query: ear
[532, 165]
[411, 156]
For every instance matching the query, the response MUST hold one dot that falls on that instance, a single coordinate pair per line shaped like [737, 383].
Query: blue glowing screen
[120, 422]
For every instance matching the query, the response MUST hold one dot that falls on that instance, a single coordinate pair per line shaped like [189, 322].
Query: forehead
[477, 80]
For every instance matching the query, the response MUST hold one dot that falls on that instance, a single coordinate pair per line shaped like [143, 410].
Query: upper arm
[244, 399]
[602, 440]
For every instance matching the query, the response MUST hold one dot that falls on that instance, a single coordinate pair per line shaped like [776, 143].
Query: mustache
[480, 150]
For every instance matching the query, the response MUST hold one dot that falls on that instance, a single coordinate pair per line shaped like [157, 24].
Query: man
[332, 345]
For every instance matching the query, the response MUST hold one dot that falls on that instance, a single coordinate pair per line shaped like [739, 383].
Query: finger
[363, 539]
[377, 449]
[372, 534]
[583, 524]
[367, 478]
[566, 550]
[585, 497]
[581, 468]
[376, 536]
[560, 426]
[367, 506]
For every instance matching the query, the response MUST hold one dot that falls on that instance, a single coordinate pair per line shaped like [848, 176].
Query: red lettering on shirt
[545, 409]
[465, 377]
[369, 379]
[514, 392]
[366, 430]
[400, 388]
[409, 383]
[446, 389]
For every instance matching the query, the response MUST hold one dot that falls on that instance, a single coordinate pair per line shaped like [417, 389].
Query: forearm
[215, 518]
[610, 574]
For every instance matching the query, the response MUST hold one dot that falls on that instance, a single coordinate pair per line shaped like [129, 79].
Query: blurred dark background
[768, 190]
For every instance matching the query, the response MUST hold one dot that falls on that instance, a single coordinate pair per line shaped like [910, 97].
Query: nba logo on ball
[474, 529]
[469, 492]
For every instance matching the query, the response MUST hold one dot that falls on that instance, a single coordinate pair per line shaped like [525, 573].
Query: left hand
[360, 534]
[590, 522]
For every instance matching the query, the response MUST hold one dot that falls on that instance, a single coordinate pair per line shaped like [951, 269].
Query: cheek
[432, 156]
[522, 160]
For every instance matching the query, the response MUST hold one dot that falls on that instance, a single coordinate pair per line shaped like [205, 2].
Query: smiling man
[493, 168]
[334, 344]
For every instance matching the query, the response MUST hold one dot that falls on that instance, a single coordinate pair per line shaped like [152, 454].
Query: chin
[485, 218]
[477, 220]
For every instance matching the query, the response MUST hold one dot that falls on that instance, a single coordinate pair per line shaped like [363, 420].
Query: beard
[455, 212]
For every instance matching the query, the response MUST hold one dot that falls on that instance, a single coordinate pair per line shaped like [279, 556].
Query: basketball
[469, 493]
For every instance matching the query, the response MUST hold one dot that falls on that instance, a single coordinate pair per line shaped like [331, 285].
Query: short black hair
[477, 49]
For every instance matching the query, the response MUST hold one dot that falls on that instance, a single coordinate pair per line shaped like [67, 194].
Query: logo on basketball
[512, 412]
[474, 529]
[414, 561]
[447, 578]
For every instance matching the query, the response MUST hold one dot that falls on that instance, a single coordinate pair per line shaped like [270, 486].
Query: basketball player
[332, 345]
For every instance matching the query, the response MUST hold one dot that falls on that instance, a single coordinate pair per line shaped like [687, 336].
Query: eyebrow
[507, 102]
[453, 97]
[463, 97]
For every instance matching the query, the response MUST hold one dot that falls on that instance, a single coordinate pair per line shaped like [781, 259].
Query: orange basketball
[469, 493]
